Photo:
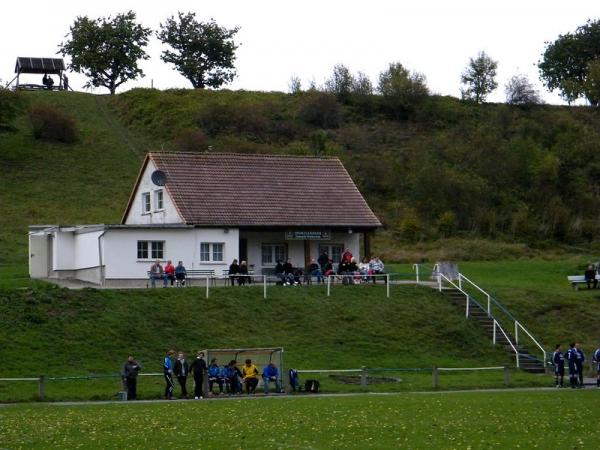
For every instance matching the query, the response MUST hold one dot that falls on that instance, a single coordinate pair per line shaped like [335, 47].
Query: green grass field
[478, 420]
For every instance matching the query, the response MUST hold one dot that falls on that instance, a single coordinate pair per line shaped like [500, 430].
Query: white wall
[38, 255]
[120, 249]
[63, 250]
[86, 250]
[168, 215]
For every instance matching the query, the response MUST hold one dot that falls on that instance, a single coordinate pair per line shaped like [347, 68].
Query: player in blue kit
[558, 359]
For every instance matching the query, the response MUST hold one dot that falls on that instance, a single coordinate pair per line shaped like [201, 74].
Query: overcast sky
[280, 39]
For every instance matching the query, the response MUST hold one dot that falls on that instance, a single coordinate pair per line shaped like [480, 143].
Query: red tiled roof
[263, 190]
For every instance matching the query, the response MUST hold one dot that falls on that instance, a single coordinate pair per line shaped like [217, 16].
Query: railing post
[506, 376]
[264, 286]
[435, 373]
[328, 285]
[363, 377]
[416, 267]
[439, 280]
[207, 283]
[494, 333]
[460, 281]
[516, 332]
[387, 283]
[489, 305]
[467, 313]
[42, 387]
[518, 363]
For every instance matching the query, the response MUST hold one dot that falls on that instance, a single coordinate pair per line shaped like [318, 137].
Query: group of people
[229, 378]
[575, 359]
[48, 82]
[239, 272]
[174, 274]
[351, 271]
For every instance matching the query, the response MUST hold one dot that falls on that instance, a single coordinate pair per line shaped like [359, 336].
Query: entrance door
[243, 250]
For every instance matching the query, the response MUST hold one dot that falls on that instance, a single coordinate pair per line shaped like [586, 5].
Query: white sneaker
[195, 398]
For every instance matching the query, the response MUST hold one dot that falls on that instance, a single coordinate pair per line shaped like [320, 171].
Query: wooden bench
[576, 280]
[191, 274]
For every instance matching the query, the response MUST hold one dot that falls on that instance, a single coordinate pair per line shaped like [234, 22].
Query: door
[243, 253]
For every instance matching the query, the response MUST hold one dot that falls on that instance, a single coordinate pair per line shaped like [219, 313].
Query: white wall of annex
[87, 253]
[169, 213]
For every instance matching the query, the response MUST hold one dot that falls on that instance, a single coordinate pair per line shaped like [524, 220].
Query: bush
[191, 140]
[51, 124]
[11, 104]
[320, 109]
[253, 119]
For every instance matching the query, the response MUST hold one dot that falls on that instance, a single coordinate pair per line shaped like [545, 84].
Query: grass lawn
[548, 419]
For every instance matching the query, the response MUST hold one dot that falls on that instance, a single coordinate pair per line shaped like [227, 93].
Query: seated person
[170, 272]
[271, 373]
[279, 272]
[244, 271]
[298, 274]
[347, 256]
[364, 269]
[288, 273]
[376, 266]
[328, 269]
[353, 270]
[234, 269]
[157, 273]
[314, 270]
[344, 270]
[180, 273]
[214, 376]
[250, 376]
[231, 375]
[590, 276]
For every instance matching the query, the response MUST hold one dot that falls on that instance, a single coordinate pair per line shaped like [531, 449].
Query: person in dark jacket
[597, 361]
[232, 375]
[590, 276]
[129, 373]
[181, 371]
[244, 272]
[280, 273]
[314, 270]
[558, 359]
[234, 269]
[288, 270]
[579, 363]
[168, 374]
[198, 368]
[571, 357]
[323, 260]
[344, 270]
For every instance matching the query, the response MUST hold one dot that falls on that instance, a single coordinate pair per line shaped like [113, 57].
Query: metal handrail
[469, 298]
[518, 324]
[496, 324]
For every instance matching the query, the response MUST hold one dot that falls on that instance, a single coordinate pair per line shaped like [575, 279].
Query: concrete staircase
[527, 361]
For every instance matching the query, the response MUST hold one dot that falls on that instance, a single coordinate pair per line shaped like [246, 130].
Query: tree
[106, 50]
[203, 52]
[341, 82]
[362, 84]
[295, 85]
[520, 91]
[402, 90]
[479, 78]
[565, 64]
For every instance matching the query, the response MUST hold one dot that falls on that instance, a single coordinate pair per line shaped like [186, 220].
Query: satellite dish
[159, 178]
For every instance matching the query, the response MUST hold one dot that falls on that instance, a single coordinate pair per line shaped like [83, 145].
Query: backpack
[312, 386]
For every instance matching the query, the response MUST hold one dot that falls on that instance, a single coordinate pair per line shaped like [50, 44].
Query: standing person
[571, 357]
[271, 373]
[558, 359]
[65, 82]
[250, 376]
[168, 374]
[181, 372]
[579, 362]
[157, 273]
[214, 376]
[129, 373]
[597, 361]
[180, 273]
[170, 272]
[323, 260]
[45, 80]
[234, 269]
[198, 367]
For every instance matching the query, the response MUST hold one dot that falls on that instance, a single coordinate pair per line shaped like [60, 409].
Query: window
[212, 252]
[146, 206]
[150, 249]
[271, 253]
[158, 195]
[334, 251]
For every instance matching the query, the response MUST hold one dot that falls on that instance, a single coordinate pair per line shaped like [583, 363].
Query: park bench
[191, 274]
[576, 280]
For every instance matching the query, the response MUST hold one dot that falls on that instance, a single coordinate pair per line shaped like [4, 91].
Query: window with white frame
[150, 249]
[159, 200]
[334, 251]
[146, 204]
[271, 253]
[212, 252]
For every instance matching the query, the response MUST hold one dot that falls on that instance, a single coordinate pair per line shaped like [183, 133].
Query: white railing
[489, 297]
[496, 324]
[517, 326]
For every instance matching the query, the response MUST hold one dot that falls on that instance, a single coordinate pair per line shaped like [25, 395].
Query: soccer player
[168, 374]
[250, 376]
[214, 376]
[198, 367]
[579, 363]
[572, 360]
[558, 358]
[597, 361]
[181, 372]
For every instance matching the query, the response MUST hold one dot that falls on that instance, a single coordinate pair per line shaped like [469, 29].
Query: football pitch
[455, 420]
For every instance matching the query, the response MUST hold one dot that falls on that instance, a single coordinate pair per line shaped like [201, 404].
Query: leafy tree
[479, 78]
[295, 85]
[203, 52]
[520, 91]
[106, 50]
[341, 82]
[402, 90]
[362, 84]
[565, 63]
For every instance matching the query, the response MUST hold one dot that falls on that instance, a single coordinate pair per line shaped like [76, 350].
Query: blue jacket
[558, 359]
[214, 371]
[571, 356]
[270, 371]
[580, 357]
[167, 364]
[597, 355]
[180, 269]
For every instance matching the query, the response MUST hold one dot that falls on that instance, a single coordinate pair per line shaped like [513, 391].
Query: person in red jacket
[347, 256]
[170, 272]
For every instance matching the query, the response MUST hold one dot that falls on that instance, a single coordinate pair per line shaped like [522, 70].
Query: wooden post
[363, 377]
[506, 376]
[367, 244]
[42, 387]
[435, 373]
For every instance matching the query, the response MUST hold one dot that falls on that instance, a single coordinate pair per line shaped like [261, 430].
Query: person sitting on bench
[314, 270]
[180, 273]
[157, 273]
[377, 267]
[170, 272]
[242, 280]
[288, 270]
[590, 276]
[214, 376]
[271, 373]
[232, 374]
[234, 269]
[250, 376]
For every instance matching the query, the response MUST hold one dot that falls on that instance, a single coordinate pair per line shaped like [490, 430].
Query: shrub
[11, 104]
[320, 109]
[191, 140]
[253, 119]
[51, 124]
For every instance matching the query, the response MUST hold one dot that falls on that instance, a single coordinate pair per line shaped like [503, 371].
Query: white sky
[307, 38]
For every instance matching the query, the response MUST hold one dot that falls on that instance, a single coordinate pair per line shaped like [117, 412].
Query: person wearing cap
[198, 367]
[130, 371]
[250, 376]
[271, 374]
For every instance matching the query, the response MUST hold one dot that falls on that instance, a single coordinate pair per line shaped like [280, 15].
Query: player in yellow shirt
[250, 376]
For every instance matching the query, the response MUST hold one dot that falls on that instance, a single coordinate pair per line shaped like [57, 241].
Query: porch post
[367, 244]
[306, 254]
